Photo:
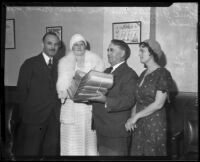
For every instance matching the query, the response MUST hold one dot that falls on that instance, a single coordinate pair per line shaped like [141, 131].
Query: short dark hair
[155, 56]
[49, 33]
[124, 46]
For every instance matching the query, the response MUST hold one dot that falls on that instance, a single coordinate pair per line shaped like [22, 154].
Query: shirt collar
[46, 57]
[116, 66]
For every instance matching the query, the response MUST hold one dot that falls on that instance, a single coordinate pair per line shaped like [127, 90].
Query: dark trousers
[39, 139]
[109, 146]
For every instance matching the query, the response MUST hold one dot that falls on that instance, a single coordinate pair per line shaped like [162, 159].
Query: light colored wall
[30, 26]
[176, 30]
[126, 14]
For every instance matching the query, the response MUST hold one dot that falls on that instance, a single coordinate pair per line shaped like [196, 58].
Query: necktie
[50, 64]
[109, 69]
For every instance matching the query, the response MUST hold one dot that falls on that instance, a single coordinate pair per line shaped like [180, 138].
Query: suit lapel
[43, 66]
[120, 69]
[42, 60]
[54, 70]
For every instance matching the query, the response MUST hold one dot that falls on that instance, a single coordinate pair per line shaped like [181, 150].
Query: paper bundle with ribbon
[84, 85]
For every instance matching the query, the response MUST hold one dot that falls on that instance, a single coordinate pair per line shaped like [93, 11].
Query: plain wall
[176, 30]
[30, 26]
[126, 14]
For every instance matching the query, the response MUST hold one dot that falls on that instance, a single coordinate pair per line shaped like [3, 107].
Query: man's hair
[124, 46]
[50, 33]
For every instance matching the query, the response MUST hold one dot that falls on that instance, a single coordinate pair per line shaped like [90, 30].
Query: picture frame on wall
[129, 32]
[55, 29]
[10, 34]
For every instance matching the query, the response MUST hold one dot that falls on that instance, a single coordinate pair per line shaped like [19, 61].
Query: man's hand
[100, 97]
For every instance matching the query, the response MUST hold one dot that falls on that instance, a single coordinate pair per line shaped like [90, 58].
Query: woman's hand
[63, 100]
[63, 95]
[131, 123]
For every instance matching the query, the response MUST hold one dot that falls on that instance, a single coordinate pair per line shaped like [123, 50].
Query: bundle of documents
[86, 85]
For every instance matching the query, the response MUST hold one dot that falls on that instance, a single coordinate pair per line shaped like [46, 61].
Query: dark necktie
[50, 64]
[109, 69]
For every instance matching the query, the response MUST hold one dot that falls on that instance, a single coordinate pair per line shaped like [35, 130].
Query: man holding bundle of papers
[88, 85]
[111, 110]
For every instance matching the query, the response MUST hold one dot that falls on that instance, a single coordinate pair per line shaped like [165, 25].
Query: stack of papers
[86, 85]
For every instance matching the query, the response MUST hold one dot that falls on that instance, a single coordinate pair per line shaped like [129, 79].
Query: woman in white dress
[77, 137]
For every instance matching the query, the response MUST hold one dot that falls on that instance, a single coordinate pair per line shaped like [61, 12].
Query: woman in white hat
[77, 138]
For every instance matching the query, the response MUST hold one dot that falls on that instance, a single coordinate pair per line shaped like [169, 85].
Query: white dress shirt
[47, 58]
[116, 66]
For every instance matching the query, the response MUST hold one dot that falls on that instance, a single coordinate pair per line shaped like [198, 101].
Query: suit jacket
[36, 87]
[110, 121]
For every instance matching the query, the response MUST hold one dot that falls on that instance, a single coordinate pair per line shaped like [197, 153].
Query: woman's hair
[155, 55]
[124, 46]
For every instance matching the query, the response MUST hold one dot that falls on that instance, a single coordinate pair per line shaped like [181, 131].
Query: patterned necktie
[50, 64]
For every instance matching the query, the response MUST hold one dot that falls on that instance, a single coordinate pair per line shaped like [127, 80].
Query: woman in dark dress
[148, 118]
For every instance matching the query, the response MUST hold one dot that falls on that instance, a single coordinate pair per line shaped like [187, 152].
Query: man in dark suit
[111, 112]
[38, 133]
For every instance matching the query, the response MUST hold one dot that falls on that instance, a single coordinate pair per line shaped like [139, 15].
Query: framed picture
[10, 34]
[129, 32]
[55, 29]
